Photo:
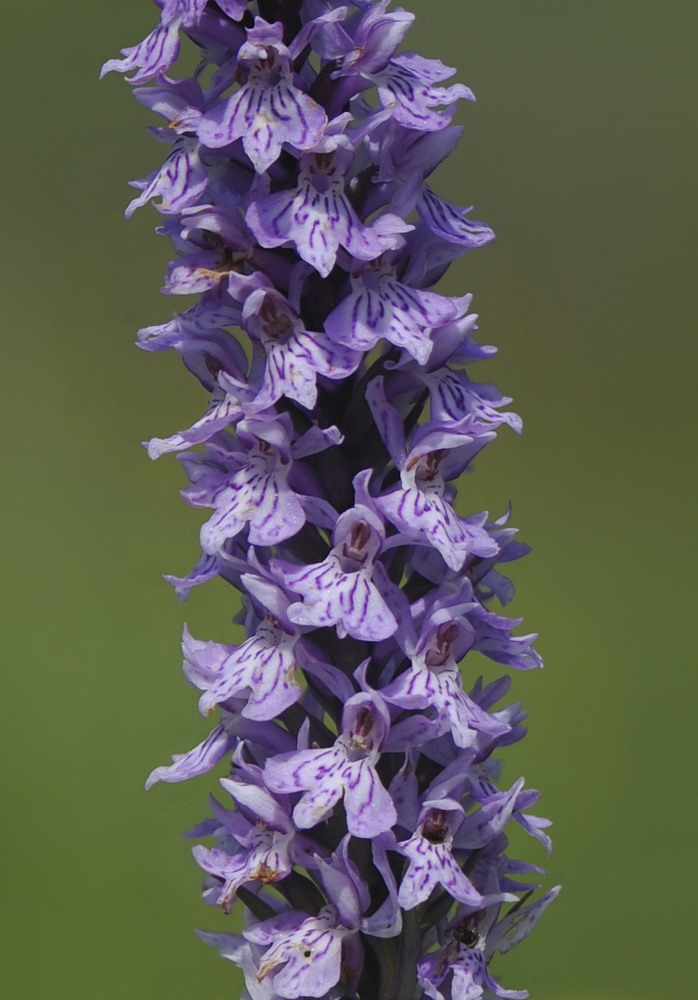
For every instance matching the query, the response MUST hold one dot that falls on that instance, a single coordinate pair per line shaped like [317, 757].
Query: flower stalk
[361, 824]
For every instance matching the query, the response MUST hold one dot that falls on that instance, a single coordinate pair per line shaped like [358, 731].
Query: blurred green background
[581, 153]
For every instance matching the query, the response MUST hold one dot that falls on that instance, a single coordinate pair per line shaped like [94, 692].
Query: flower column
[362, 828]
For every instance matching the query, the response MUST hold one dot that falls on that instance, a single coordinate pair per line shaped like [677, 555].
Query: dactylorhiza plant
[360, 825]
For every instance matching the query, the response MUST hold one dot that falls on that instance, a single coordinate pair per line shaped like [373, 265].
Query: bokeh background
[581, 153]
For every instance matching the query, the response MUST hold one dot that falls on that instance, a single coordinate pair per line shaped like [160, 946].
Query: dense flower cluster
[362, 827]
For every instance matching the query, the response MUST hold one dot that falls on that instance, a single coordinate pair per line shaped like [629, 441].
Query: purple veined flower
[380, 307]
[450, 223]
[347, 589]
[407, 87]
[317, 217]
[246, 481]
[179, 183]
[345, 771]
[493, 637]
[461, 966]
[304, 953]
[258, 842]
[306, 956]
[269, 109]
[419, 507]
[433, 680]
[262, 672]
[481, 787]
[365, 44]
[153, 56]
[430, 857]
[294, 357]
[213, 243]
[220, 742]
[224, 409]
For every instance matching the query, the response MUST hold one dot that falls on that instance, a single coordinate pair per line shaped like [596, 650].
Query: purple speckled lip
[362, 827]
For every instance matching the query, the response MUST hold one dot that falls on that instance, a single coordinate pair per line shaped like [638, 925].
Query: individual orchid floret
[347, 589]
[381, 307]
[366, 46]
[154, 55]
[303, 954]
[419, 507]
[434, 681]
[406, 86]
[460, 969]
[269, 109]
[313, 953]
[430, 857]
[318, 217]
[258, 841]
[346, 770]
[262, 670]
[218, 745]
[293, 357]
[179, 183]
[250, 486]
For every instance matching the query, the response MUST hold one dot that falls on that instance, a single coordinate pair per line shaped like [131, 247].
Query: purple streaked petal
[264, 665]
[197, 761]
[449, 223]
[517, 925]
[369, 807]
[431, 865]
[221, 413]
[154, 55]
[481, 827]
[310, 955]
[406, 86]
[265, 118]
[180, 182]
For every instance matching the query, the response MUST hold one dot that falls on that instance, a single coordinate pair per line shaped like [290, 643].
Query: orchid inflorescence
[362, 828]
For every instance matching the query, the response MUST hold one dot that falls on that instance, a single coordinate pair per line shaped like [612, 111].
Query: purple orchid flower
[460, 969]
[348, 588]
[347, 769]
[269, 109]
[364, 832]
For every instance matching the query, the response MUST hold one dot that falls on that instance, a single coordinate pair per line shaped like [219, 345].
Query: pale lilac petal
[369, 807]
[220, 414]
[264, 666]
[197, 761]
[154, 55]
[432, 865]
[450, 223]
[180, 182]
[311, 958]
[517, 925]
[488, 822]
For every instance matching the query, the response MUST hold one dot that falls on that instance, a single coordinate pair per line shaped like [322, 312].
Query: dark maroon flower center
[440, 651]
[277, 324]
[436, 828]
[354, 553]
